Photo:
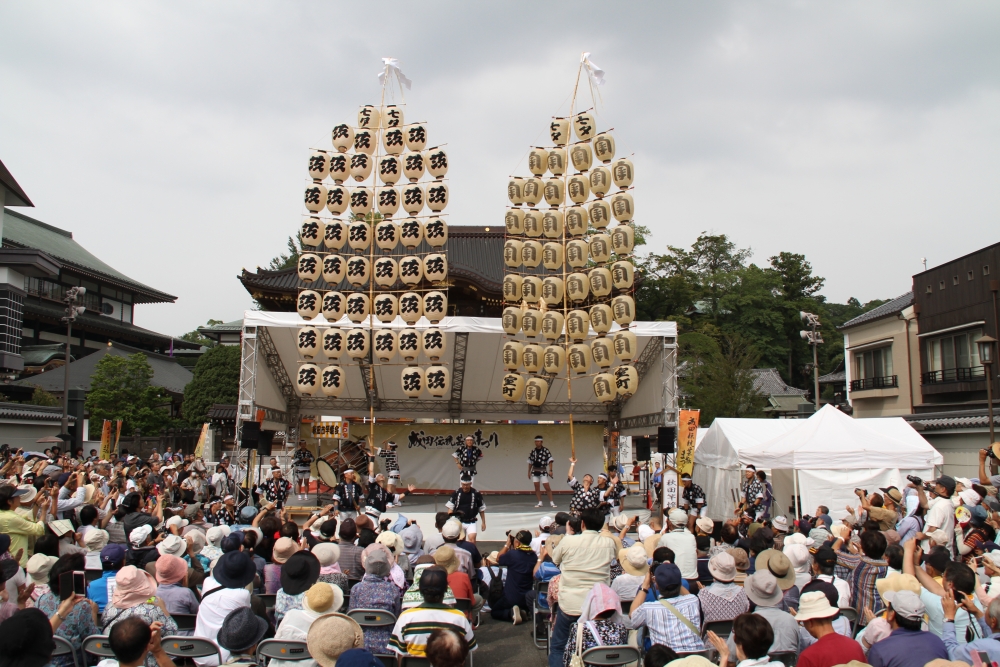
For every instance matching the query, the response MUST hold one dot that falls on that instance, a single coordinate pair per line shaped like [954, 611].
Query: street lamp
[72, 296]
[815, 339]
[985, 345]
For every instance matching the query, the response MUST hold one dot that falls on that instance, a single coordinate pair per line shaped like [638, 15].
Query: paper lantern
[435, 306]
[512, 253]
[623, 308]
[333, 344]
[409, 345]
[307, 379]
[319, 167]
[531, 358]
[358, 270]
[411, 307]
[342, 137]
[510, 353]
[435, 267]
[334, 234]
[552, 256]
[552, 291]
[361, 166]
[513, 220]
[538, 161]
[437, 163]
[434, 343]
[603, 352]
[531, 322]
[357, 343]
[334, 269]
[411, 233]
[311, 232]
[600, 181]
[393, 142]
[386, 345]
[535, 391]
[531, 290]
[337, 199]
[369, 117]
[362, 201]
[576, 254]
[559, 131]
[309, 267]
[532, 223]
[364, 142]
[510, 320]
[411, 270]
[622, 275]
[333, 381]
[307, 342]
[413, 199]
[554, 359]
[578, 188]
[552, 324]
[600, 282]
[340, 168]
[604, 147]
[604, 387]
[358, 307]
[531, 254]
[599, 213]
[581, 156]
[577, 287]
[623, 173]
[579, 358]
[436, 232]
[512, 287]
[307, 304]
[623, 239]
[386, 234]
[413, 166]
[515, 191]
[438, 379]
[584, 126]
[334, 306]
[386, 271]
[626, 380]
[532, 191]
[601, 318]
[600, 247]
[416, 137]
[512, 387]
[577, 325]
[412, 380]
[392, 116]
[552, 224]
[554, 192]
[556, 161]
[576, 221]
[437, 197]
[359, 235]
[388, 200]
[315, 198]
[389, 169]
[386, 307]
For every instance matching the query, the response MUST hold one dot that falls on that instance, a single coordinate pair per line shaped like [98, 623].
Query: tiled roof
[939, 421]
[225, 327]
[16, 195]
[221, 412]
[831, 378]
[93, 322]
[886, 309]
[19, 411]
[767, 381]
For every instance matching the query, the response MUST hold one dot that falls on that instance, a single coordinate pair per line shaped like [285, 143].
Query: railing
[954, 375]
[56, 292]
[882, 382]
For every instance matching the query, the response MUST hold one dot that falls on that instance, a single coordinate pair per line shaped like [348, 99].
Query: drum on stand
[351, 456]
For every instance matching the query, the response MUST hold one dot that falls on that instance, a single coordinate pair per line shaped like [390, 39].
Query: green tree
[41, 397]
[216, 380]
[121, 388]
[722, 383]
[287, 260]
[195, 337]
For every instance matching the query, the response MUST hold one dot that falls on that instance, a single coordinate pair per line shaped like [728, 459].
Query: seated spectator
[213, 539]
[38, 570]
[680, 540]
[172, 577]
[841, 625]
[658, 655]
[412, 539]
[298, 574]
[335, 640]
[135, 595]
[284, 548]
[866, 568]
[94, 541]
[413, 627]
[780, 565]
[520, 561]
[753, 637]
[434, 540]
[322, 598]
[907, 645]
[112, 560]
[823, 564]
[816, 614]
[545, 524]
[723, 600]
[376, 591]
[459, 582]
[742, 561]
[762, 589]
[241, 631]
[350, 552]
[397, 548]
[676, 623]
[634, 566]
[133, 641]
[327, 553]
[81, 622]
[26, 640]
[602, 620]
[232, 573]
[546, 570]
[447, 648]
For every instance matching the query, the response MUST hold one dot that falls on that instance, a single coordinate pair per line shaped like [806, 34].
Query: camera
[915, 480]
[863, 492]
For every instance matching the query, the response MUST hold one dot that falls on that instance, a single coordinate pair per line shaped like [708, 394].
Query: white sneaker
[539, 504]
[553, 504]
[517, 615]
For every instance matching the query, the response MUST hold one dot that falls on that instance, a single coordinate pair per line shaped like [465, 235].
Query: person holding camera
[993, 453]
[882, 509]
[519, 559]
[940, 511]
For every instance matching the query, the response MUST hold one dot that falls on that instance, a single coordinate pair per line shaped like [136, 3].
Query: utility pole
[815, 339]
[72, 296]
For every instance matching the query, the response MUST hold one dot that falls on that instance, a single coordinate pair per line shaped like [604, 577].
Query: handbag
[577, 659]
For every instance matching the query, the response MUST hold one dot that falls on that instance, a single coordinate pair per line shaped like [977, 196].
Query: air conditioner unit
[112, 309]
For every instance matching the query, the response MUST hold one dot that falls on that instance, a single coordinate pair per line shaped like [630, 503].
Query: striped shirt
[665, 628]
[414, 627]
[864, 572]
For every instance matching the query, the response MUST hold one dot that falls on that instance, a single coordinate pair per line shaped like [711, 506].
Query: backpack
[496, 586]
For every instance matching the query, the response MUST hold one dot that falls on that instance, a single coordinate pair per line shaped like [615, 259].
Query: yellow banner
[337, 430]
[199, 449]
[687, 434]
[106, 441]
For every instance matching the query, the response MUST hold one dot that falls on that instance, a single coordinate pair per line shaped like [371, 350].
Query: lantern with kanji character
[319, 167]
[434, 343]
[309, 267]
[533, 223]
[513, 220]
[512, 387]
[552, 324]
[600, 282]
[369, 117]
[552, 290]
[581, 156]
[437, 163]
[411, 270]
[576, 221]
[512, 253]
[623, 308]
[510, 320]
[412, 379]
[357, 343]
[386, 307]
[386, 272]
[334, 234]
[623, 173]
[334, 306]
[338, 198]
[552, 223]
[307, 304]
[437, 196]
[626, 380]
[334, 269]
[388, 200]
[315, 197]
[604, 387]
[577, 287]
[358, 270]
[413, 199]
[531, 254]
[577, 325]
[531, 290]
[362, 201]
[601, 318]
[435, 267]
[411, 233]
[389, 169]
[333, 381]
[435, 306]
[552, 256]
[531, 358]
[554, 192]
[510, 353]
[599, 212]
[603, 352]
[579, 358]
[342, 136]
[333, 343]
[392, 116]
[532, 191]
[392, 140]
[386, 344]
[538, 161]
[436, 232]
[358, 307]
[600, 181]
[515, 190]
[340, 168]
[622, 275]
[438, 380]
[359, 235]
[531, 322]
[604, 147]
[584, 126]
[307, 379]
[386, 235]
[625, 345]
[535, 390]
[554, 359]
[364, 141]
[416, 137]
[307, 342]
[413, 166]
[559, 131]
[411, 307]
[576, 254]
[578, 188]
[556, 161]
[311, 232]
[600, 247]
[512, 287]
[409, 345]
[623, 239]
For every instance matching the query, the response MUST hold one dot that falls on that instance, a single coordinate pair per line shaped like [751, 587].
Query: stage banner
[199, 449]
[106, 441]
[687, 435]
[669, 489]
[118, 435]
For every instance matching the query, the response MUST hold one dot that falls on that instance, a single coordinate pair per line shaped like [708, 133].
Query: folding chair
[63, 647]
[185, 621]
[268, 600]
[190, 647]
[98, 645]
[414, 661]
[387, 659]
[852, 616]
[540, 615]
[721, 628]
[610, 656]
[375, 618]
[786, 658]
[282, 650]
[707, 654]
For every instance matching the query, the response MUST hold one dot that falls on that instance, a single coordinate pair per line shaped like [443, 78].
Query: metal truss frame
[458, 374]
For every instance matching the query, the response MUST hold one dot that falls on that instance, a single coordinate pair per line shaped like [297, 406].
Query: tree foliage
[216, 380]
[720, 377]
[196, 337]
[121, 388]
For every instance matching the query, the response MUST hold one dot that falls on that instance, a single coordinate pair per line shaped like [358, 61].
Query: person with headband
[468, 457]
[540, 463]
[584, 497]
[302, 461]
[391, 458]
[347, 495]
[466, 503]
[276, 489]
[610, 492]
[379, 499]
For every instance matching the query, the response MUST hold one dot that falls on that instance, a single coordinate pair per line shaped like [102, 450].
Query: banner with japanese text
[106, 440]
[199, 449]
[687, 435]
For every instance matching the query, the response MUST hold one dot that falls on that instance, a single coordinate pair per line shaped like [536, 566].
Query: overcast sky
[171, 137]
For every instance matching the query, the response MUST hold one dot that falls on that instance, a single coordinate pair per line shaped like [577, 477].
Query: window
[953, 358]
[971, 274]
[954, 280]
[930, 290]
[873, 363]
[941, 285]
[986, 269]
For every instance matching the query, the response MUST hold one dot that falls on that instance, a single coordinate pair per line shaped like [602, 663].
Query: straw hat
[897, 582]
[446, 558]
[323, 598]
[741, 559]
[393, 541]
[779, 565]
[634, 560]
[330, 636]
[704, 524]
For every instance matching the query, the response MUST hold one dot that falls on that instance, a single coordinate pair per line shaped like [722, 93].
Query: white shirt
[213, 612]
[844, 588]
[295, 626]
[940, 514]
[536, 543]
[685, 549]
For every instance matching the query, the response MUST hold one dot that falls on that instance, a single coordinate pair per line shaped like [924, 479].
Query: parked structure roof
[887, 309]
[768, 382]
[16, 195]
[23, 412]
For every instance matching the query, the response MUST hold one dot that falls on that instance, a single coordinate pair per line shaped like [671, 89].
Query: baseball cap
[113, 554]
[947, 482]
[546, 522]
[667, 576]
[451, 528]
[906, 603]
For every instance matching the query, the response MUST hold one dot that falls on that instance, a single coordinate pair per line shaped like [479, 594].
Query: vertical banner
[106, 441]
[118, 436]
[687, 435]
[669, 489]
[199, 449]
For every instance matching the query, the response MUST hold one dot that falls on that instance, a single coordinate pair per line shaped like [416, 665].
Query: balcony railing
[954, 375]
[882, 382]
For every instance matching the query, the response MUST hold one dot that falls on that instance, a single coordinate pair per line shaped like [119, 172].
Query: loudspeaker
[264, 443]
[250, 435]
[665, 439]
[641, 446]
